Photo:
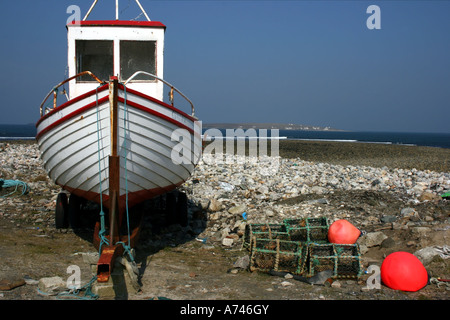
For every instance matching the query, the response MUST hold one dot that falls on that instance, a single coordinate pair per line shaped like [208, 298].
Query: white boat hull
[75, 144]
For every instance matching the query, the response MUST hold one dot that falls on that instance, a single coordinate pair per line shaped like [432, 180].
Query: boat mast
[117, 10]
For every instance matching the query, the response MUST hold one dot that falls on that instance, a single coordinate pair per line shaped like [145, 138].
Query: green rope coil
[5, 184]
[76, 294]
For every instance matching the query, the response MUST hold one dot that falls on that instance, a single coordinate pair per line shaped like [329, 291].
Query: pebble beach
[255, 186]
[309, 174]
[381, 189]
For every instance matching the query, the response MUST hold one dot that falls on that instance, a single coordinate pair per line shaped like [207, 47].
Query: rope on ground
[5, 184]
[75, 294]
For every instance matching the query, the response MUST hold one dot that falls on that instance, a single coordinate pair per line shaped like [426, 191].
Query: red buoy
[403, 271]
[343, 232]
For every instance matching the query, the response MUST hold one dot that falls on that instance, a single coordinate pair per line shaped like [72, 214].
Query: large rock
[428, 196]
[420, 231]
[215, 205]
[427, 254]
[408, 213]
[243, 262]
[239, 209]
[372, 239]
[52, 285]
[227, 242]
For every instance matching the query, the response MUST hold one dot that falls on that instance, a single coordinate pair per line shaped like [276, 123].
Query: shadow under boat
[168, 220]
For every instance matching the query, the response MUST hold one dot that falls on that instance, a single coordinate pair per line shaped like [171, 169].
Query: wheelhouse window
[137, 56]
[95, 56]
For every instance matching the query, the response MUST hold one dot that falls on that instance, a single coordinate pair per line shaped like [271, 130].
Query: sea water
[17, 131]
[441, 140]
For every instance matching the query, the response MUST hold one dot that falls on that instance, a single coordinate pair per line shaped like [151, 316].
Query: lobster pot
[264, 231]
[277, 255]
[343, 260]
[308, 229]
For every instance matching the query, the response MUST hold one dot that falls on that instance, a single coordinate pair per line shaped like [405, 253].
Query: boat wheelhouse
[116, 48]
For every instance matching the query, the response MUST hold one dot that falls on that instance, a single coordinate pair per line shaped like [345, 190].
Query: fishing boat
[114, 141]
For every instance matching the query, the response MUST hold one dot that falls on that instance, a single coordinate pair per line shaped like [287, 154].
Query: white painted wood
[74, 139]
[116, 34]
[70, 151]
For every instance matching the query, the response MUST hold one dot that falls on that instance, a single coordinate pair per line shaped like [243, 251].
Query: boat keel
[117, 242]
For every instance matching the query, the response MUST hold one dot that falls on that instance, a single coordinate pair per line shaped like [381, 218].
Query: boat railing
[172, 89]
[54, 91]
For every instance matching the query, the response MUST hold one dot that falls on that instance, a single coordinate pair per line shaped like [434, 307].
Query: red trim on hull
[71, 115]
[104, 99]
[156, 114]
[68, 103]
[134, 198]
[142, 95]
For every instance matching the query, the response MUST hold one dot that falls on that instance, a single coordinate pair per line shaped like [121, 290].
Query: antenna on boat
[117, 10]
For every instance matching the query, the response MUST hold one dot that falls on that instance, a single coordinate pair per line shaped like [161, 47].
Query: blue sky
[304, 62]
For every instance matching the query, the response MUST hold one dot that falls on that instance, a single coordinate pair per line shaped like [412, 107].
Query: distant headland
[279, 126]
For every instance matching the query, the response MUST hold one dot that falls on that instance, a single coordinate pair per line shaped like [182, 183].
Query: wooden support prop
[105, 264]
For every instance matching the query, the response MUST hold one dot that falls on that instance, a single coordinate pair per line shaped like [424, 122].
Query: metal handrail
[54, 90]
[172, 88]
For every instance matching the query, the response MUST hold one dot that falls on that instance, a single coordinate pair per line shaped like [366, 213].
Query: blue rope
[102, 232]
[88, 294]
[14, 184]
[103, 240]
[125, 119]
[76, 293]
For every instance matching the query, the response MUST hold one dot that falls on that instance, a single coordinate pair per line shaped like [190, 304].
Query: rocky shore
[393, 193]
[247, 190]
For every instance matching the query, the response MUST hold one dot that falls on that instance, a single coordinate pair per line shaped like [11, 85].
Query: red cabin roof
[121, 23]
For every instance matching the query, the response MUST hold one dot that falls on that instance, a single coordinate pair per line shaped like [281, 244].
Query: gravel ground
[173, 263]
[369, 154]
